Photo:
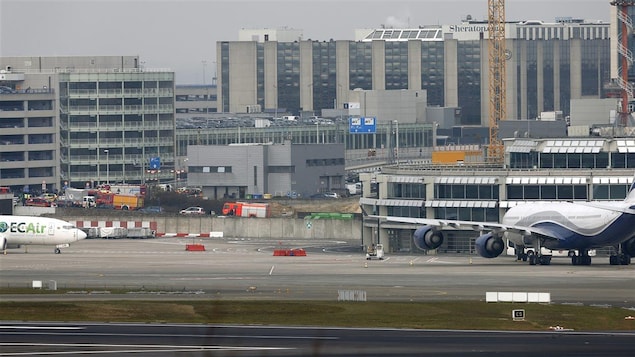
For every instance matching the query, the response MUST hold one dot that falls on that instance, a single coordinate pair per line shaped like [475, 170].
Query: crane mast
[497, 102]
[626, 58]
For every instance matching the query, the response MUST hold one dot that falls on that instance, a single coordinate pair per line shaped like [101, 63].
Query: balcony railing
[119, 92]
[119, 109]
[118, 126]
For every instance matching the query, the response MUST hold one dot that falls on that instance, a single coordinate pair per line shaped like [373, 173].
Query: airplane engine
[629, 247]
[489, 246]
[426, 238]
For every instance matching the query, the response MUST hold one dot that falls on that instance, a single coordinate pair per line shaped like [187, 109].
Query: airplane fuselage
[577, 226]
[27, 230]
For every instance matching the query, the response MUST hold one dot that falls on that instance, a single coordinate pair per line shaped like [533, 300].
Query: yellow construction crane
[497, 57]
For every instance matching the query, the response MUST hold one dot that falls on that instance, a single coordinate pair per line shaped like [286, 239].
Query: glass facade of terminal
[582, 155]
[113, 124]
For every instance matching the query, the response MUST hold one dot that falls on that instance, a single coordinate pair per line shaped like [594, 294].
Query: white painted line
[271, 271]
[118, 349]
[40, 327]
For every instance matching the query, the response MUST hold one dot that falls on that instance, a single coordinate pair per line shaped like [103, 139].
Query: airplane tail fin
[630, 197]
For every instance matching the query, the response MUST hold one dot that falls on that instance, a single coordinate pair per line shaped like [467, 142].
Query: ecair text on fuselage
[22, 227]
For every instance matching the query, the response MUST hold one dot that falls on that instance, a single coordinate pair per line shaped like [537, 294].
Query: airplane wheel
[575, 260]
[532, 259]
[614, 260]
[545, 260]
[57, 251]
[625, 259]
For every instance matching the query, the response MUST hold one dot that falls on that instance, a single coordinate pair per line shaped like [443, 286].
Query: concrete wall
[592, 111]
[237, 227]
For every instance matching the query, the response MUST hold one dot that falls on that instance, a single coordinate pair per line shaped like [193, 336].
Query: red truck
[247, 209]
[118, 201]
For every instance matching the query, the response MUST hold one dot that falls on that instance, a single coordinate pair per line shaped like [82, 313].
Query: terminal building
[571, 169]
[83, 121]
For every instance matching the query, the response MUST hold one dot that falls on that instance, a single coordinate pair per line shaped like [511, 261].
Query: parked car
[331, 195]
[38, 202]
[192, 211]
[49, 196]
[152, 210]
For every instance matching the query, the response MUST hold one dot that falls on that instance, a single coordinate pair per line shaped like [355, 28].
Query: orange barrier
[299, 252]
[195, 247]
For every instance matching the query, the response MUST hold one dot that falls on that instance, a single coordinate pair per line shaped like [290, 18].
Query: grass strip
[476, 315]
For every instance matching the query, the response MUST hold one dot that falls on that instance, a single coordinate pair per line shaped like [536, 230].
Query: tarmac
[162, 268]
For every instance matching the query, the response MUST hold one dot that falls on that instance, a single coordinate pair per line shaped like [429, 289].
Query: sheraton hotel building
[548, 65]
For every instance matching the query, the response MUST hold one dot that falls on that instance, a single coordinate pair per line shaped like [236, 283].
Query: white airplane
[569, 226]
[16, 231]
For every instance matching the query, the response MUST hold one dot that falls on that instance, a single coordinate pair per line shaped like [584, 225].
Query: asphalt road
[235, 269]
[18, 339]
[247, 269]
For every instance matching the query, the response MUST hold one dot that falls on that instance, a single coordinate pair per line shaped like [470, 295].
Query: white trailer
[375, 251]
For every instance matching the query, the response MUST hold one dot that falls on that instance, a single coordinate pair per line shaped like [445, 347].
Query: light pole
[275, 92]
[204, 62]
[215, 73]
[339, 98]
[397, 137]
[107, 168]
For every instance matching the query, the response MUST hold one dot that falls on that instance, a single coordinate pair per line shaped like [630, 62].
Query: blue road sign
[362, 125]
[155, 163]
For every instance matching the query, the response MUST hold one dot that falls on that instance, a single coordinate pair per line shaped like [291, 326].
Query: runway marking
[15, 327]
[116, 348]
[271, 271]
[436, 260]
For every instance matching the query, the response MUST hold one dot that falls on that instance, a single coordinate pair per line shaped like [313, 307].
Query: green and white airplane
[16, 231]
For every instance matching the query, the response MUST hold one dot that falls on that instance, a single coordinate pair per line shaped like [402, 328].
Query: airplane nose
[81, 234]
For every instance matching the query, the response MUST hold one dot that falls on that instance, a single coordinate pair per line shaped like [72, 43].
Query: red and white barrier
[117, 224]
[144, 224]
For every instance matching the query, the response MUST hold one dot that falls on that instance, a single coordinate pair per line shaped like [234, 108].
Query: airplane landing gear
[582, 259]
[58, 251]
[538, 258]
[620, 259]
[520, 254]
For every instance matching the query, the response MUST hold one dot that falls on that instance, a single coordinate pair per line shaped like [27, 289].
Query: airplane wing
[619, 207]
[496, 228]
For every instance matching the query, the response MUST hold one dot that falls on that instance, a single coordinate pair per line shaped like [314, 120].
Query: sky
[181, 35]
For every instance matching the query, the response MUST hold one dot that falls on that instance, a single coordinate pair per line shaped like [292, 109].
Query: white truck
[375, 251]
[354, 188]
